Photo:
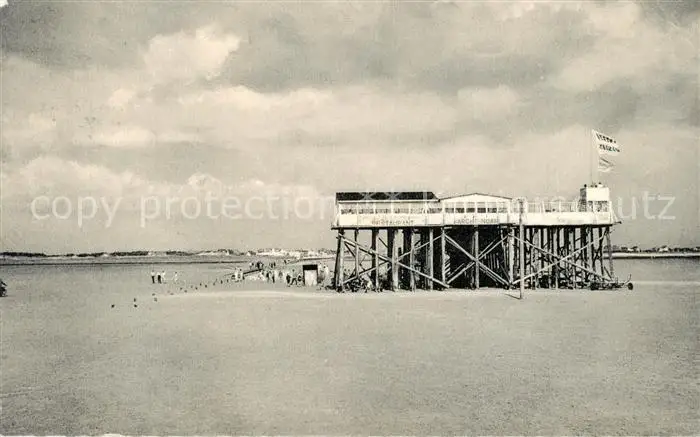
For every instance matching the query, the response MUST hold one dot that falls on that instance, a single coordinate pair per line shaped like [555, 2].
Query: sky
[183, 125]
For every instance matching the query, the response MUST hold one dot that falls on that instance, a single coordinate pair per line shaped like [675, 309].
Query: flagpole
[590, 157]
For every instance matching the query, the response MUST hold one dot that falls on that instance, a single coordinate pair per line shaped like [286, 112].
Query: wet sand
[261, 359]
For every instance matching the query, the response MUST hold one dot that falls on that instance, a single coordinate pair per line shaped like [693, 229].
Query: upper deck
[394, 210]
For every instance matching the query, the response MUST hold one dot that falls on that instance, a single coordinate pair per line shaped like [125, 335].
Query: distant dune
[652, 255]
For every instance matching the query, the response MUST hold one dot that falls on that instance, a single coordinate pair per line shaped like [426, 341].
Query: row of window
[473, 208]
[432, 210]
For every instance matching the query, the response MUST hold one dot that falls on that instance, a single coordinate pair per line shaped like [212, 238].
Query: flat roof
[371, 196]
[495, 196]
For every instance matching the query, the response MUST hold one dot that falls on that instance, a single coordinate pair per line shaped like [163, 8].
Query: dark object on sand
[113, 305]
[595, 285]
[136, 306]
[3, 288]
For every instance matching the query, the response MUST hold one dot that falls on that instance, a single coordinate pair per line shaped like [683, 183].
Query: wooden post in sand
[611, 271]
[431, 259]
[511, 255]
[357, 255]
[391, 249]
[375, 260]
[557, 250]
[411, 259]
[521, 249]
[443, 256]
[340, 253]
[475, 250]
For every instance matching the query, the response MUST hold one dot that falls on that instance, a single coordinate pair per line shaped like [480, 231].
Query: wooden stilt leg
[431, 258]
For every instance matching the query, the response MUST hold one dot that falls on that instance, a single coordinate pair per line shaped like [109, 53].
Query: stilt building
[415, 240]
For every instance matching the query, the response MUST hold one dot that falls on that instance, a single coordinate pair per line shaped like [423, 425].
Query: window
[481, 207]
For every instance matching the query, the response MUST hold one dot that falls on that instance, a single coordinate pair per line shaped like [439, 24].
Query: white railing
[542, 213]
[505, 208]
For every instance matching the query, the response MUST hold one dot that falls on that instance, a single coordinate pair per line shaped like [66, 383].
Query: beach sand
[262, 359]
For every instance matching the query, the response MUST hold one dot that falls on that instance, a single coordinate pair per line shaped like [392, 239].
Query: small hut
[310, 274]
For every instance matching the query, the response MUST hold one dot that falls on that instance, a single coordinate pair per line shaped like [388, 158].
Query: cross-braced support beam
[469, 256]
[397, 261]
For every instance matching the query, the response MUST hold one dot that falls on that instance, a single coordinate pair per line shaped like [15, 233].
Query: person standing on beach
[160, 279]
[175, 277]
[153, 276]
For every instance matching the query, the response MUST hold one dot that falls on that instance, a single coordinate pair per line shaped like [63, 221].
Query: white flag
[604, 166]
[605, 144]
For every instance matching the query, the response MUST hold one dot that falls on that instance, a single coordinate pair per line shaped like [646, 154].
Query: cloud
[442, 47]
[628, 48]
[124, 136]
[35, 128]
[186, 57]
[486, 104]
[239, 115]
[298, 99]
[52, 176]
[120, 98]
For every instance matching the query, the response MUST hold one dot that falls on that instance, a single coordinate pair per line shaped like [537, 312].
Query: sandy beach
[258, 358]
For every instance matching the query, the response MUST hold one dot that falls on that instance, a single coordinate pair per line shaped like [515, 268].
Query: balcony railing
[505, 208]
[545, 213]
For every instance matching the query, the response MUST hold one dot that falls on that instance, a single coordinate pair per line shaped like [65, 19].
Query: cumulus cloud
[35, 128]
[124, 136]
[52, 176]
[628, 48]
[302, 100]
[486, 104]
[120, 98]
[238, 115]
[186, 57]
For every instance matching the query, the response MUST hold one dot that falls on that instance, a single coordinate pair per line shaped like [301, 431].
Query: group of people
[237, 275]
[268, 272]
[260, 265]
[267, 275]
[160, 277]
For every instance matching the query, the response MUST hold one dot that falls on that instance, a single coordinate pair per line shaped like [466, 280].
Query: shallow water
[227, 359]
[659, 270]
